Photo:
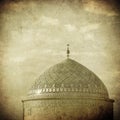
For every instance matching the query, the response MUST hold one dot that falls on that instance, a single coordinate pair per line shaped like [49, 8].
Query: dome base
[68, 109]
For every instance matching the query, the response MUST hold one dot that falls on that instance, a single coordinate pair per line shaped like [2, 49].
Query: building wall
[68, 109]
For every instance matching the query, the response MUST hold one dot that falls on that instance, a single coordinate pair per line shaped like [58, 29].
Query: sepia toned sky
[33, 37]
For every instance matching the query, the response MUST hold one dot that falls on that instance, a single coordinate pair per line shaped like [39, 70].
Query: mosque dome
[68, 91]
[68, 79]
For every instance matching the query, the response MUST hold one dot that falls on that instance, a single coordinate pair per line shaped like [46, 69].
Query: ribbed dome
[66, 79]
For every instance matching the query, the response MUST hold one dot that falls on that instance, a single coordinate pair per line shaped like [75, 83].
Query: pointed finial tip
[68, 51]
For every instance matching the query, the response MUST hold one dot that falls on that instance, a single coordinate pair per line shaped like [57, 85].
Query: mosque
[68, 91]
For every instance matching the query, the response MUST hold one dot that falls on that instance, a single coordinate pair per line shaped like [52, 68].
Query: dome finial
[68, 51]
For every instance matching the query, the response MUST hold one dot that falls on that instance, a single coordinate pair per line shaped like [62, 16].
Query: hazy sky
[33, 37]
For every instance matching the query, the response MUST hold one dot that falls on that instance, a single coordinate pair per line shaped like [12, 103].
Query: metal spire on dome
[68, 51]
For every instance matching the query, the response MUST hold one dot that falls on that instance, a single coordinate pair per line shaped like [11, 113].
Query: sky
[34, 35]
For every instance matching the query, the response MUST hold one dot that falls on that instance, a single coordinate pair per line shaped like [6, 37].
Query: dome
[68, 79]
